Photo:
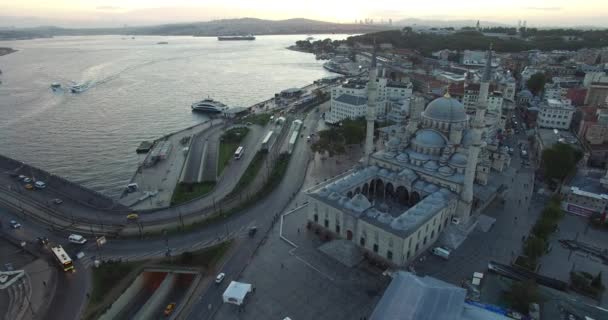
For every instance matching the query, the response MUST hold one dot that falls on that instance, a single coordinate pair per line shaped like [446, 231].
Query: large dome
[429, 138]
[446, 109]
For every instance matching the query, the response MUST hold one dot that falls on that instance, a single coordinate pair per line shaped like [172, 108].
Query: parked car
[27, 180]
[29, 186]
[252, 231]
[169, 308]
[14, 224]
[40, 184]
[77, 239]
[57, 201]
[132, 216]
[220, 277]
[21, 177]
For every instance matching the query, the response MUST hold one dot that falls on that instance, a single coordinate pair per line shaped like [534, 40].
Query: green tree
[597, 281]
[536, 83]
[560, 161]
[534, 247]
[543, 228]
[521, 295]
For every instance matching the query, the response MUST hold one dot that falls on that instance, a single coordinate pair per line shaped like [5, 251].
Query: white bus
[62, 257]
[239, 152]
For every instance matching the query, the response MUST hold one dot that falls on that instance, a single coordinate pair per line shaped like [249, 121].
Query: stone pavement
[560, 261]
[502, 243]
[304, 283]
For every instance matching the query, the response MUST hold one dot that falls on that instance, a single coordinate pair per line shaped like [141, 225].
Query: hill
[209, 28]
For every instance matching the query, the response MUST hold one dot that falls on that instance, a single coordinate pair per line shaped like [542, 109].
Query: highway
[73, 288]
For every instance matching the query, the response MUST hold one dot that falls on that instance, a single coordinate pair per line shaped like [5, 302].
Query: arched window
[316, 217]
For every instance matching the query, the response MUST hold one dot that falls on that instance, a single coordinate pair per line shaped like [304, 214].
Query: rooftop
[549, 137]
[350, 99]
[586, 182]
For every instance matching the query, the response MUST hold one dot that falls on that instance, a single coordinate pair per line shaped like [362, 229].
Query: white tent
[236, 292]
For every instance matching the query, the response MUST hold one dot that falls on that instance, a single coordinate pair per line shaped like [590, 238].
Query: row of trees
[522, 293]
[474, 40]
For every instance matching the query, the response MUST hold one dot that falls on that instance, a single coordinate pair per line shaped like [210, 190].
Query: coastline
[4, 51]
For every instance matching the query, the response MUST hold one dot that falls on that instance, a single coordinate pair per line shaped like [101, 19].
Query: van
[441, 252]
[76, 238]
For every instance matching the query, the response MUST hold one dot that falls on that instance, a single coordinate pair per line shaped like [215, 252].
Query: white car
[220, 277]
[27, 180]
[76, 238]
[40, 184]
[14, 224]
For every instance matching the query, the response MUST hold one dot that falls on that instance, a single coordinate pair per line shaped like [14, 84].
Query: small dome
[446, 171]
[359, 203]
[429, 138]
[388, 155]
[430, 188]
[394, 142]
[431, 165]
[458, 160]
[403, 157]
[445, 109]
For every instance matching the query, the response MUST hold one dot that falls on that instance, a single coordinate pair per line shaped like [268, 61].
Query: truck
[441, 252]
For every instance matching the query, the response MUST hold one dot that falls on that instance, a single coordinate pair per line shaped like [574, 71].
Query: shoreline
[5, 51]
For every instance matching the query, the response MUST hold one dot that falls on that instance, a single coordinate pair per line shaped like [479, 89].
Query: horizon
[114, 13]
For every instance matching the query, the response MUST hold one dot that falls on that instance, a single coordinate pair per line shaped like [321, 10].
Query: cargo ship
[232, 38]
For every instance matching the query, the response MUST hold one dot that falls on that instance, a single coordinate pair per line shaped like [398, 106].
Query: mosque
[433, 174]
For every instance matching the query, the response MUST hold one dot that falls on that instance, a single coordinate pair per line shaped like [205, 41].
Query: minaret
[370, 116]
[477, 126]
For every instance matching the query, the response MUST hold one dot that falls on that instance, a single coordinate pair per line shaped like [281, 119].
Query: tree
[521, 295]
[534, 248]
[560, 161]
[543, 228]
[536, 83]
[597, 281]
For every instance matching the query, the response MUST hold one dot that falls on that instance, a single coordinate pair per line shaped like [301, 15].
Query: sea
[138, 90]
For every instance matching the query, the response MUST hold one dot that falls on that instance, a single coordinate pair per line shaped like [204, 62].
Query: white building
[346, 106]
[348, 100]
[555, 114]
[554, 91]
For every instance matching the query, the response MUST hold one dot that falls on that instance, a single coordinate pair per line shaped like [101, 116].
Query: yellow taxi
[169, 308]
[132, 216]
[29, 186]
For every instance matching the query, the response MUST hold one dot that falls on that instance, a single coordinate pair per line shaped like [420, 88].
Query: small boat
[162, 42]
[209, 106]
[78, 88]
[55, 85]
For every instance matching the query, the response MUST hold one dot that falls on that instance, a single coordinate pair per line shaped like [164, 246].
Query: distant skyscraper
[390, 22]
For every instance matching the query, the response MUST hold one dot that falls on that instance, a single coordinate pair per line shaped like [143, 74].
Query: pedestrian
[282, 266]
[298, 230]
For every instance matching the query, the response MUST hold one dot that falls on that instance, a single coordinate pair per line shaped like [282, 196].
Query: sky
[115, 13]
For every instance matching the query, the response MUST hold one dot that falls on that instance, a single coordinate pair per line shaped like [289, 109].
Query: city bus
[239, 152]
[62, 257]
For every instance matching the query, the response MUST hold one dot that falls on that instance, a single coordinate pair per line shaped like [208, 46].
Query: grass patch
[229, 141]
[257, 118]
[276, 176]
[250, 173]
[107, 276]
[185, 192]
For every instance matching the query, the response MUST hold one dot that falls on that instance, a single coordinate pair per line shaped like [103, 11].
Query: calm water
[139, 91]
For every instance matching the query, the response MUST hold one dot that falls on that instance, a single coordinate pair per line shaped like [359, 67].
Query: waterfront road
[75, 211]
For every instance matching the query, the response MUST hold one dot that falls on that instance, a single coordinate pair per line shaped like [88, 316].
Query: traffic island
[185, 192]
[229, 142]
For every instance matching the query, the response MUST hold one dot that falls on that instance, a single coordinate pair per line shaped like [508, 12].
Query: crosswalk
[90, 255]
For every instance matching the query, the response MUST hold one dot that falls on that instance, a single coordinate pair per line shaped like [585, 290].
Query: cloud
[107, 8]
[544, 8]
